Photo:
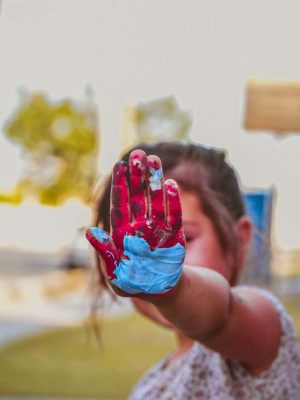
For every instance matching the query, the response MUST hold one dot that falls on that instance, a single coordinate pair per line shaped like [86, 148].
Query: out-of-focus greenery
[59, 143]
[293, 306]
[69, 362]
[161, 119]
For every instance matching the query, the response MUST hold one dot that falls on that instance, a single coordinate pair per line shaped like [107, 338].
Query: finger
[174, 214]
[156, 189]
[105, 247]
[138, 194]
[120, 214]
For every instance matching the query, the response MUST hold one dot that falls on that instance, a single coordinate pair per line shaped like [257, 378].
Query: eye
[188, 238]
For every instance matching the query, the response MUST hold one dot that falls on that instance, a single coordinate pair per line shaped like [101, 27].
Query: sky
[129, 51]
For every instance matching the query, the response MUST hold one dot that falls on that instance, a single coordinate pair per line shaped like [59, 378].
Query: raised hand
[146, 250]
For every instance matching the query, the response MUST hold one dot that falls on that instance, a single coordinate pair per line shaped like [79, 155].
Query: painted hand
[145, 251]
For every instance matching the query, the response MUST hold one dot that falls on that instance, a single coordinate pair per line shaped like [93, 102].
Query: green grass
[69, 362]
[293, 307]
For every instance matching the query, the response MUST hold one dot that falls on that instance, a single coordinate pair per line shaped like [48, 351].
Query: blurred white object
[31, 226]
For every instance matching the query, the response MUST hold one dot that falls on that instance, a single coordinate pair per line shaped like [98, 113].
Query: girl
[179, 259]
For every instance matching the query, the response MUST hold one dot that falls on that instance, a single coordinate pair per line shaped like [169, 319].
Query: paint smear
[100, 235]
[147, 271]
[155, 178]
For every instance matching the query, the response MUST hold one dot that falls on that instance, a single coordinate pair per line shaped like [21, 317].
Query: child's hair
[198, 169]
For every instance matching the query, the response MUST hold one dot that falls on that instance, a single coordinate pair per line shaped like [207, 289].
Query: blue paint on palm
[147, 271]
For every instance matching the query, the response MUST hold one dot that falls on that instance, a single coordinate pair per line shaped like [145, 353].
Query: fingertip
[137, 162]
[97, 236]
[171, 186]
[119, 170]
[137, 154]
[154, 161]
[171, 182]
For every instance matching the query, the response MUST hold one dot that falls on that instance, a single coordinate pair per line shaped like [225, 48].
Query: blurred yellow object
[154, 121]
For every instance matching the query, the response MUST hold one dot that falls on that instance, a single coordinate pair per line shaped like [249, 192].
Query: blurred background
[83, 80]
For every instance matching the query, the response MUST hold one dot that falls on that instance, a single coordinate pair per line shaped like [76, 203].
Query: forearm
[199, 305]
[150, 311]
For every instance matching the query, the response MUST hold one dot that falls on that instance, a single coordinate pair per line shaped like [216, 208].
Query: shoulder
[274, 314]
[268, 304]
[251, 333]
[281, 379]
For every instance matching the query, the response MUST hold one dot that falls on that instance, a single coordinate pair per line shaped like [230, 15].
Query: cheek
[208, 255]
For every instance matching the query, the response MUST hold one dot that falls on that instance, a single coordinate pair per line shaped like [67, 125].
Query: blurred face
[202, 243]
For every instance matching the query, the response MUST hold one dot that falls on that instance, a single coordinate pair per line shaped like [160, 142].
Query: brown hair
[201, 170]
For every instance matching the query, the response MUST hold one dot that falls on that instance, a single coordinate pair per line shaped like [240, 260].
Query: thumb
[105, 247]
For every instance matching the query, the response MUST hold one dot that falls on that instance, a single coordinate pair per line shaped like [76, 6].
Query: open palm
[142, 205]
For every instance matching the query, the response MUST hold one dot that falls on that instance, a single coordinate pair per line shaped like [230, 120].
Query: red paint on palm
[142, 205]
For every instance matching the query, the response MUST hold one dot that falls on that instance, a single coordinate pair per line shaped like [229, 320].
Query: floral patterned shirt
[204, 374]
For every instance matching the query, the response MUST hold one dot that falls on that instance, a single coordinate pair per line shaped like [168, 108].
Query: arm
[150, 311]
[237, 323]
[197, 301]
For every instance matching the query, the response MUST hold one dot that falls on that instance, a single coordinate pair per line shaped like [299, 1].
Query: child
[179, 259]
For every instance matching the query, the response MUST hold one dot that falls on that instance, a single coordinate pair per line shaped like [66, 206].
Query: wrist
[166, 302]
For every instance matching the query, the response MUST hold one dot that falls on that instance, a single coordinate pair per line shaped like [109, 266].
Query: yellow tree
[59, 144]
